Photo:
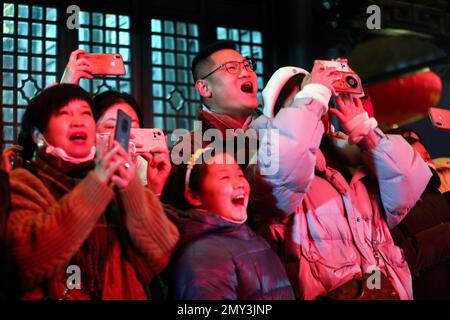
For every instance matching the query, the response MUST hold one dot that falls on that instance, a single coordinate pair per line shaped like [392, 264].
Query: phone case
[350, 82]
[440, 118]
[340, 66]
[123, 128]
[149, 139]
[105, 63]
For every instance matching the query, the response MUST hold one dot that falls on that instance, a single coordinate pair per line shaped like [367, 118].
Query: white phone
[148, 139]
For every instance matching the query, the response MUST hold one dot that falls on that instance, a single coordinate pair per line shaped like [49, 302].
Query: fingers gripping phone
[440, 118]
[105, 63]
[123, 129]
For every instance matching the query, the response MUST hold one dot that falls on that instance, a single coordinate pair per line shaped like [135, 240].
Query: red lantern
[406, 99]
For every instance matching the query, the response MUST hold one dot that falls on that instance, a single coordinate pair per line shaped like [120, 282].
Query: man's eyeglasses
[234, 67]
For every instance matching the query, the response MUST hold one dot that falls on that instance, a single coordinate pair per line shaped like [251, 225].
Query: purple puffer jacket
[220, 260]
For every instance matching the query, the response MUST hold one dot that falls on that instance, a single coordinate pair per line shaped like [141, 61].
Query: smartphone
[148, 139]
[105, 63]
[440, 118]
[123, 128]
[333, 119]
[349, 83]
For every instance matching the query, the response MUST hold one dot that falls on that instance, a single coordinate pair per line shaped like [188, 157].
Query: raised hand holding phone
[354, 119]
[106, 165]
[104, 63]
[86, 65]
[125, 172]
[123, 129]
[115, 167]
[120, 167]
[77, 68]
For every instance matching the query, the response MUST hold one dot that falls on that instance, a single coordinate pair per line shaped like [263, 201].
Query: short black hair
[407, 134]
[208, 50]
[286, 90]
[105, 100]
[42, 107]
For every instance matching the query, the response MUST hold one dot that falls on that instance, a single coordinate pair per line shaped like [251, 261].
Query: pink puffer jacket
[322, 226]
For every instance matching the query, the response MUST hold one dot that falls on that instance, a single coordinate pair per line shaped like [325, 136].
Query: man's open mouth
[247, 87]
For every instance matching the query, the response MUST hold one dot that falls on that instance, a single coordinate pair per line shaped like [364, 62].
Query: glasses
[234, 67]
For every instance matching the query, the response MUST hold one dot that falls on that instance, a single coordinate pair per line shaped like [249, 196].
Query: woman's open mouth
[78, 137]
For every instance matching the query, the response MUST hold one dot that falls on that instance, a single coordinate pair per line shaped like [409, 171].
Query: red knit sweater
[45, 233]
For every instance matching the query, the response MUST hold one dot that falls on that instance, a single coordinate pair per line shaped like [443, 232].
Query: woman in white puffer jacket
[332, 233]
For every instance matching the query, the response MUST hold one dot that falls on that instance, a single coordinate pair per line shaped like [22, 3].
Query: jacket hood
[276, 83]
[193, 224]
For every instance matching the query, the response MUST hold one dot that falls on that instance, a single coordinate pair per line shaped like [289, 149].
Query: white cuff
[359, 127]
[351, 124]
[315, 91]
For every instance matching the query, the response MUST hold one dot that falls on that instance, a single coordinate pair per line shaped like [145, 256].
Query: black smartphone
[123, 128]
[333, 119]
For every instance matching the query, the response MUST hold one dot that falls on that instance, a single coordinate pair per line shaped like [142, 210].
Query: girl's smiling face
[224, 190]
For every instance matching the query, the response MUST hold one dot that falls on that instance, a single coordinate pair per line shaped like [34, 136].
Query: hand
[106, 166]
[354, 119]
[158, 169]
[116, 167]
[133, 146]
[126, 172]
[324, 76]
[10, 154]
[76, 68]
[349, 108]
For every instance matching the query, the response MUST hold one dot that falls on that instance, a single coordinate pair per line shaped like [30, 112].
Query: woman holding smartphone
[71, 211]
[153, 168]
